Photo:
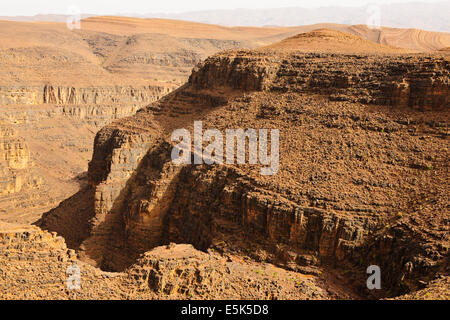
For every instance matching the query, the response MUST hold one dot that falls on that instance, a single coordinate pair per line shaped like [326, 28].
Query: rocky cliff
[363, 167]
[62, 95]
[58, 87]
[54, 126]
[44, 160]
[16, 172]
[405, 81]
[169, 272]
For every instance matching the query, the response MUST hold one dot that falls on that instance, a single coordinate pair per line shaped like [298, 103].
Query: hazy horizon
[431, 16]
[118, 7]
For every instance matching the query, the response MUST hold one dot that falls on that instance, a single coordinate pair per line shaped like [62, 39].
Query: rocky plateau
[362, 179]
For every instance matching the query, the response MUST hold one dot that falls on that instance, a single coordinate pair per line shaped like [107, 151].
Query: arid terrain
[86, 176]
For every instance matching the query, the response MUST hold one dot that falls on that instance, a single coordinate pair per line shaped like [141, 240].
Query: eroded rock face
[52, 145]
[59, 88]
[404, 81]
[15, 163]
[51, 94]
[103, 95]
[54, 128]
[38, 265]
[345, 167]
[208, 197]
[180, 272]
[15, 153]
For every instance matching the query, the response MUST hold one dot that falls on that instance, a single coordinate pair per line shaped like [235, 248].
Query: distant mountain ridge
[427, 16]
[417, 15]
[44, 17]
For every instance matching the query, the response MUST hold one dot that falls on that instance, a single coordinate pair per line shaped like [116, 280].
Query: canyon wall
[50, 94]
[59, 87]
[15, 163]
[140, 199]
[46, 140]
[420, 82]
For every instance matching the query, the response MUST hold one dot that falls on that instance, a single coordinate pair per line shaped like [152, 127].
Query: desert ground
[86, 177]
